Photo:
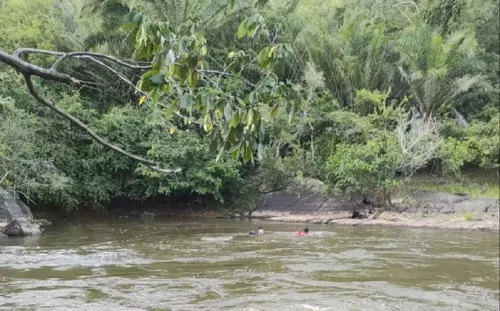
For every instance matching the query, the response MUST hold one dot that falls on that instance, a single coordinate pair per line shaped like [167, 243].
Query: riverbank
[422, 209]
[468, 221]
[312, 204]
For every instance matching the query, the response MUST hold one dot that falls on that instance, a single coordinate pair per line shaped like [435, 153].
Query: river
[212, 264]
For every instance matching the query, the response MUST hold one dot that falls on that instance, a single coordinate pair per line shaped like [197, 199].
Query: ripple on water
[217, 239]
[225, 269]
[19, 258]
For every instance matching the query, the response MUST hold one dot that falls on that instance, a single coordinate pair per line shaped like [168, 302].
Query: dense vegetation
[363, 95]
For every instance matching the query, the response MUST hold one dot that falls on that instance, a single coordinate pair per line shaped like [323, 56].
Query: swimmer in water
[260, 231]
[302, 233]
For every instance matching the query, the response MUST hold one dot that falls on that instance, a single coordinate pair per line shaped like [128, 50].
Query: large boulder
[11, 207]
[450, 203]
[311, 196]
[16, 218]
[21, 228]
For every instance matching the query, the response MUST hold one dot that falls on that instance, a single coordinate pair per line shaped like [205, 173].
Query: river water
[208, 264]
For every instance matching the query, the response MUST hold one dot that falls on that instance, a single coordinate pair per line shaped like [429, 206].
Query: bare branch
[127, 63]
[124, 62]
[403, 13]
[28, 69]
[19, 52]
[418, 139]
[120, 75]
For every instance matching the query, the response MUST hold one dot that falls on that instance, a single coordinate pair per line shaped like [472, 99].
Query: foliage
[469, 216]
[477, 143]
[22, 167]
[202, 174]
[362, 95]
[477, 183]
[379, 142]
[437, 69]
[41, 25]
[369, 168]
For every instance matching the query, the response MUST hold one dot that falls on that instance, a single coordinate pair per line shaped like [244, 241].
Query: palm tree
[210, 16]
[438, 70]
[353, 50]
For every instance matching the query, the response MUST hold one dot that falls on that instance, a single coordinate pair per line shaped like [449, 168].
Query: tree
[307, 79]
[176, 74]
[438, 70]
[22, 167]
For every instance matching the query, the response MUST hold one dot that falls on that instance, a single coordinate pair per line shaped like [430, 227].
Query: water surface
[208, 264]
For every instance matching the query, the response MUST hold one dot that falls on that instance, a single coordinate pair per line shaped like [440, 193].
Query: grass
[476, 183]
[469, 217]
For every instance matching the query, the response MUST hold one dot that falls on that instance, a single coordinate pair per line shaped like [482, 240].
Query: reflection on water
[213, 264]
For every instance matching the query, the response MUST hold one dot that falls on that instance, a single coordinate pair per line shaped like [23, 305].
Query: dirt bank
[457, 221]
[422, 209]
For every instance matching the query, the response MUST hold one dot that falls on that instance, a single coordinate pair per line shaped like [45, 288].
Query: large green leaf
[274, 111]
[228, 111]
[242, 30]
[186, 101]
[158, 78]
[192, 79]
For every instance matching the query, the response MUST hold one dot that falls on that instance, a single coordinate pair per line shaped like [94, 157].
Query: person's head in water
[305, 232]
[260, 230]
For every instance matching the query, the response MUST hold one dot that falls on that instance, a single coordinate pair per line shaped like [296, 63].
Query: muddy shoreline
[388, 218]
[423, 209]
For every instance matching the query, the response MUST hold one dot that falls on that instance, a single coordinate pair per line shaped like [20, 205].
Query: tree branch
[19, 52]
[28, 70]
[127, 63]
[120, 75]
[77, 122]
[124, 62]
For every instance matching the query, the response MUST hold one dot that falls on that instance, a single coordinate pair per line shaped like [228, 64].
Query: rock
[312, 201]
[435, 198]
[11, 207]
[411, 209]
[449, 203]
[42, 222]
[21, 228]
[359, 215]
[447, 209]
[311, 196]
[16, 218]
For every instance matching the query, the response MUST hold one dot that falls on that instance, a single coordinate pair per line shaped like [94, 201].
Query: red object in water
[301, 233]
